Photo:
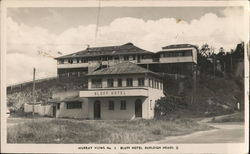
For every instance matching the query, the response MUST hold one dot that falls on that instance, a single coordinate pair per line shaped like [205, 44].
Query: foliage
[167, 105]
[216, 63]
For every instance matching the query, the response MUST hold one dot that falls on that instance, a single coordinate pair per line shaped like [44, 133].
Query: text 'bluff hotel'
[124, 81]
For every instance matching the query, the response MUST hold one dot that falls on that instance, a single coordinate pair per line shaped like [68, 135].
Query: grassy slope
[236, 117]
[75, 131]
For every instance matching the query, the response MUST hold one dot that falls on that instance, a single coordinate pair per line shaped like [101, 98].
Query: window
[105, 58]
[61, 61]
[140, 81]
[126, 58]
[84, 60]
[123, 105]
[119, 83]
[70, 61]
[58, 106]
[74, 105]
[129, 82]
[134, 57]
[157, 84]
[187, 52]
[110, 83]
[146, 57]
[110, 58]
[96, 83]
[160, 85]
[111, 105]
[77, 60]
[151, 105]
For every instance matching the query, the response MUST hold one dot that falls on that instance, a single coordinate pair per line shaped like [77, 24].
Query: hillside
[19, 94]
[215, 95]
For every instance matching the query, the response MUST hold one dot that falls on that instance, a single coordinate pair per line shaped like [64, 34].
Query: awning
[72, 99]
[54, 100]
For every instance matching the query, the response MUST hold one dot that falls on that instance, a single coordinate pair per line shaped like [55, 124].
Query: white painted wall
[74, 65]
[117, 114]
[154, 95]
[43, 110]
[82, 113]
[176, 59]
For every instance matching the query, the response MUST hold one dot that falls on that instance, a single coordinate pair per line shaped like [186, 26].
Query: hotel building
[123, 92]
[172, 59]
[123, 82]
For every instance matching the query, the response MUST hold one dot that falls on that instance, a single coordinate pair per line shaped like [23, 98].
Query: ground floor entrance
[97, 109]
[138, 108]
[118, 108]
[54, 111]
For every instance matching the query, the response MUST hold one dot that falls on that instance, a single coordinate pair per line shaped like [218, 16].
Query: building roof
[175, 46]
[127, 48]
[121, 68]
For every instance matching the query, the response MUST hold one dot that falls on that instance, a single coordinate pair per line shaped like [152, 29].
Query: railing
[156, 59]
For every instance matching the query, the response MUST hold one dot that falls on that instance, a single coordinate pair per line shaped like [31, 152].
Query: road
[232, 132]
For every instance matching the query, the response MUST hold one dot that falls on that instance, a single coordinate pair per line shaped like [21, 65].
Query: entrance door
[54, 111]
[138, 108]
[97, 110]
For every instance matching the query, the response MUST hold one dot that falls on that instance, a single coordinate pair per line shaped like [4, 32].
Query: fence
[43, 110]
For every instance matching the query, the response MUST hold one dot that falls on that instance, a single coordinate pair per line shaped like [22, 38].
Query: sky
[36, 35]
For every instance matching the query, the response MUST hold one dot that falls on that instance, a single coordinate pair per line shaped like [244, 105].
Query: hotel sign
[110, 93]
[114, 93]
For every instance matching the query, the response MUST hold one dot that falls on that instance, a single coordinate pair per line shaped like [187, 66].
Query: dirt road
[223, 133]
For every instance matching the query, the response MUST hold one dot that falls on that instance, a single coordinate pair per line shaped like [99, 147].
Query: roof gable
[121, 68]
[127, 48]
[174, 46]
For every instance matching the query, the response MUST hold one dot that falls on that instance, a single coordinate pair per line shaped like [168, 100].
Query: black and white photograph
[124, 76]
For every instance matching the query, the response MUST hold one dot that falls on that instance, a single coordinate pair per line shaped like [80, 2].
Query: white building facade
[124, 91]
[128, 95]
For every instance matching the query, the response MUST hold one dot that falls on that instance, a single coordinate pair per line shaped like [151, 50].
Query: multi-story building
[174, 59]
[124, 82]
[177, 59]
[82, 62]
[124, 91]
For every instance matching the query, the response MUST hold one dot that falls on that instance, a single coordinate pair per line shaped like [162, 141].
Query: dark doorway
[138, 108]
[138, 59]
[54, 111]
[97, 110]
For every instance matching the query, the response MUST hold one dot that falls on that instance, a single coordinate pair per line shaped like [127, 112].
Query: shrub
[156, 132]
[167, 105]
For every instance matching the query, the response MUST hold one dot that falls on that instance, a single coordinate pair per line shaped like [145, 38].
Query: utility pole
[231, 63]
[214, 61]
[33, 91]
[193, 101]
